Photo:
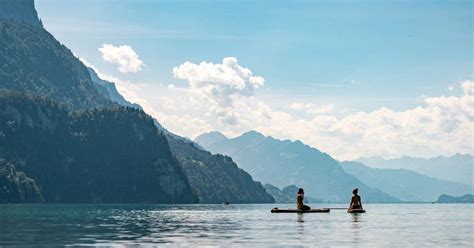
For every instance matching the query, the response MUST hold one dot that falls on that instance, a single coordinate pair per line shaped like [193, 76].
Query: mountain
[210, 138]
[467, 198]
[218, 141]
[457, 168]
[404, 184]
[33, 61]
[216, 178]
[78, 145]
[16, 187]
[288, 194]
[113, 155]
[283, 163]
[20, 11]
[108, 90]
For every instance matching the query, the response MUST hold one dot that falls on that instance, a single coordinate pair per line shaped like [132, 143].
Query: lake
[236, 225]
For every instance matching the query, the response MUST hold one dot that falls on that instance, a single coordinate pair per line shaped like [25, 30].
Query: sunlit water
[403, 225]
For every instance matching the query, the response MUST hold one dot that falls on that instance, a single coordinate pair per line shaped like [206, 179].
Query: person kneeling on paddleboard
[299, 201]
[355, 201]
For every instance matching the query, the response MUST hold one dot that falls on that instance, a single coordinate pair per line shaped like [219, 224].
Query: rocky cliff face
[16, 187]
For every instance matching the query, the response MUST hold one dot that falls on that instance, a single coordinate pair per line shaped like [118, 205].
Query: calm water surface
[402, 225]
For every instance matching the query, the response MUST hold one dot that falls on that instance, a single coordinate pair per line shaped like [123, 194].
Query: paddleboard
[294, 210]
[354, 211]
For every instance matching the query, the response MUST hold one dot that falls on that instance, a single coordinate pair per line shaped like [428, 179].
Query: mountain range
[456, 168]
[467, 198]
[405, 184]
[283, 162]
[68, 136]
[288, 194]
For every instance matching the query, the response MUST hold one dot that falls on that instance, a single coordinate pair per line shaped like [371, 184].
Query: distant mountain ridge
[288, 194]
[210, 138]
[216, 178]
[456, 168]
[467, 198]
[405, 184]
[283, 163]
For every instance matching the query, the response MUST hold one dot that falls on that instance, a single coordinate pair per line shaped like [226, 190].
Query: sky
[351, 78]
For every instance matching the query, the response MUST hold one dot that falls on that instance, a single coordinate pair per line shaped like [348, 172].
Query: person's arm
[352, 201]
[360, 203]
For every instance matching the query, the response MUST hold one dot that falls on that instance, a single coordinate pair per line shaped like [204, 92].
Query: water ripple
[234, 225]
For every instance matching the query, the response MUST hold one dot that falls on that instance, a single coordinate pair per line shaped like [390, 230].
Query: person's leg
[306, 208]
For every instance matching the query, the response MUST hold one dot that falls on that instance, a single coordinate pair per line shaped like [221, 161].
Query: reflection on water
[300, 217]
[382, 225]
[355, 217]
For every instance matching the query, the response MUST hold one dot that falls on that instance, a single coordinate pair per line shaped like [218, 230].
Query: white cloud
[451, 87]
[124, 56]
[467, 87]
[222, 85]
[443, 125]
[311, 108]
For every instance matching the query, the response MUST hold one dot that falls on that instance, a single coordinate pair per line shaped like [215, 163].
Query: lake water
[402, 225]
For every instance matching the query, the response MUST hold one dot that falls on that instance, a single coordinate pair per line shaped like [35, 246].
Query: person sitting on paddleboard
[355, 201]
[299, 201]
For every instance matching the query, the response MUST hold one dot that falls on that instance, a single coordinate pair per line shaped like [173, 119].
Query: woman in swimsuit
[299, 201]
[355, 201]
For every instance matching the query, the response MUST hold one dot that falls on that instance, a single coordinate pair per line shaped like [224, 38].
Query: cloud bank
[441, 125]
[223, 97]
[124, 56]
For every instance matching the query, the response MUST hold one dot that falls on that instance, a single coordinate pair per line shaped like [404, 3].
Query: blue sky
[310, 49]
[356, 55]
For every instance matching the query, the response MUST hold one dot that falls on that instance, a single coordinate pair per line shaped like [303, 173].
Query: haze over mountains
[457, 168]
[283, 163]
[405, 184]
[65, 135]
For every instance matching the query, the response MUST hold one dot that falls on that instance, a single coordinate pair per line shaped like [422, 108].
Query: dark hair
[300, 191]
[355, 191]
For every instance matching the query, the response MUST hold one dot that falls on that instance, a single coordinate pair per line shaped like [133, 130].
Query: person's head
[355, 191]
[300, 191]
